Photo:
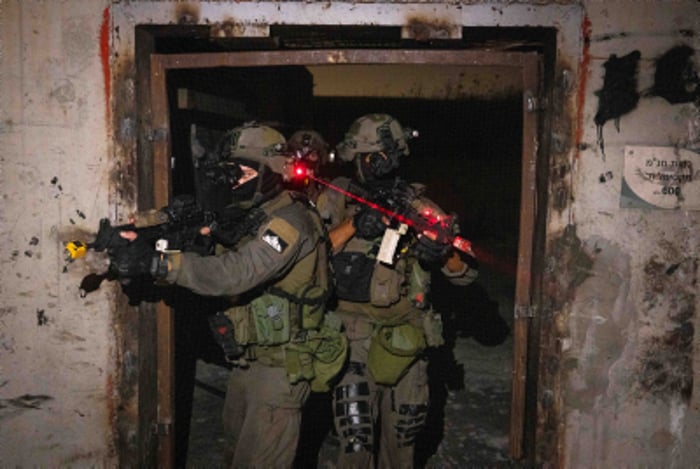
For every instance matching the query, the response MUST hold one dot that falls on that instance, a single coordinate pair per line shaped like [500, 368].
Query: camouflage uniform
[367, 395]
[262, 408]
[274, 275]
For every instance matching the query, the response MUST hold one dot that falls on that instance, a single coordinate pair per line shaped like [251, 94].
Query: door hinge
[161, 428]
[525, 311]
[534, 102]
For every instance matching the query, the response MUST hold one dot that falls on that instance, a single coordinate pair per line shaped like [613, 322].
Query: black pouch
[353, 276]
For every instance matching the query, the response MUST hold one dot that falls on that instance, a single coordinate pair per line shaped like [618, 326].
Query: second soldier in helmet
[383, 305]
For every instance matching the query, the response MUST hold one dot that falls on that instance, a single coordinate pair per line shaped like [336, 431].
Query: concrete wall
[58, 353]
[619, 285]
[629, 301]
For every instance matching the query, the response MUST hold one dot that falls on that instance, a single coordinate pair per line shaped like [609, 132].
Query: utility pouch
[385, 288]
[353, 276]
[243, 328]
[271, 318]
[392, 350]
[299, 363]
[320, 357]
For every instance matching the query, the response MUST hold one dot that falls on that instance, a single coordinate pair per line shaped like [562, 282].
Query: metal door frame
[526, 64]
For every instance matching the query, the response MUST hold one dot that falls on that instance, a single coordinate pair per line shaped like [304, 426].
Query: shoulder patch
[279, 235]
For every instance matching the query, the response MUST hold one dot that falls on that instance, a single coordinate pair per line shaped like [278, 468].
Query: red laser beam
[458, 242]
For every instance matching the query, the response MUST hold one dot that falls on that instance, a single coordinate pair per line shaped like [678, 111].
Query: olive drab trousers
[262, 417]
[400, 411]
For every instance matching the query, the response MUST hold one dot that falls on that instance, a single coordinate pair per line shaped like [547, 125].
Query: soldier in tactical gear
[276, 276]
[383, 305]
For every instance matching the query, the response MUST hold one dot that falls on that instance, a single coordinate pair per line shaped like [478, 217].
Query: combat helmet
[375, 142]
[310, 146]
[258, 143]
[261, 148]
[375, 133]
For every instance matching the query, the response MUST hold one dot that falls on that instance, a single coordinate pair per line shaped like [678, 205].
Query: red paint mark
[104, 55]
[583, 74]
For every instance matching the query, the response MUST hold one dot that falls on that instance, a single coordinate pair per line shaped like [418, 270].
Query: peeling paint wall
[619, 351]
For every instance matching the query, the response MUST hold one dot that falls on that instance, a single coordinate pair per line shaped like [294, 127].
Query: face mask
[246, 184]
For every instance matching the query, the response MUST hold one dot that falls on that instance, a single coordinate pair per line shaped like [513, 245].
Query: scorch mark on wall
[15, 405]
[584, 65]
[665, 367]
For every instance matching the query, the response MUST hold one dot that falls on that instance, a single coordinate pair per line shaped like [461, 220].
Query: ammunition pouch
[392, 350]
[353, 276]
[385, 288]
[272, 320]
[363, 279]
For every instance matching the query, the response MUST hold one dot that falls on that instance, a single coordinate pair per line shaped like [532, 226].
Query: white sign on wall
[661, 178]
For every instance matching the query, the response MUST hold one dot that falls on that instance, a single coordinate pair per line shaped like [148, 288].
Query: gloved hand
[132, 260]
[368, 223]
[431, 252]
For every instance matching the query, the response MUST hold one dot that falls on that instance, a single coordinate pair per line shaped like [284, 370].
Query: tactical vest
[286, 324]
[393, 298]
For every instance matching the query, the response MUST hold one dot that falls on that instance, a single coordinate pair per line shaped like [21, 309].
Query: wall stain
[619, 94]
[425, 29]
[25, 401]
[665, 365]
[15, 405]
[123, 174]
[41, 318]
[584, 65]
[569, 265]
[559, 181]
[598, 327]
[187, 13]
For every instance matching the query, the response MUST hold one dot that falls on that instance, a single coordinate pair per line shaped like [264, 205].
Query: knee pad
[353, 417]
[409, 421]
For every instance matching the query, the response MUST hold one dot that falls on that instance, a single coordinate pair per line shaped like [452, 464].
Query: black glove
[431, 252]
[131, 260]
[368, 223]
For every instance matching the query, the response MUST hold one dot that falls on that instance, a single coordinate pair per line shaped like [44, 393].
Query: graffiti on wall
[675, 79]
[619, 94]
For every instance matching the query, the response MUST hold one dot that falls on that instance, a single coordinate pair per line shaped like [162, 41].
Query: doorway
[501, 178]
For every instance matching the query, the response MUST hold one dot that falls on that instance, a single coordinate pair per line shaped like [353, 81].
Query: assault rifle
[407, 209]
[174, 227]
